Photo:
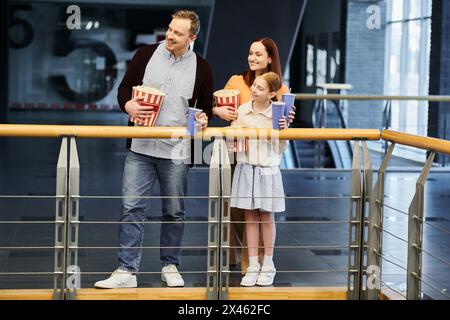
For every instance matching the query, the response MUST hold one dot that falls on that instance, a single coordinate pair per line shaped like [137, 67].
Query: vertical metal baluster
[375, 234]
[415, 235]
[354, 257]
[213, 227]
[73, 277]
[60, 223]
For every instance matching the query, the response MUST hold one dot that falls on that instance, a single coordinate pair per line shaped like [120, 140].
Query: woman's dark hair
[275, 66]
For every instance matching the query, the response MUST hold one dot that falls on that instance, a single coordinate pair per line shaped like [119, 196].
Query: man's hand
[135, 110]
[227, 113]
[202, 118]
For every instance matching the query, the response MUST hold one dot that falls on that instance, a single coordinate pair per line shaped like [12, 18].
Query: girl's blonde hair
[273, 82]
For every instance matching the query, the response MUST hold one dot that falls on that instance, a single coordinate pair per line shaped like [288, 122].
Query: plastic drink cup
[192, 123]
[277, 113]
[289, 99]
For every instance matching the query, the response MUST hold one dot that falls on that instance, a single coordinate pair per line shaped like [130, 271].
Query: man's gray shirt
[176, 78]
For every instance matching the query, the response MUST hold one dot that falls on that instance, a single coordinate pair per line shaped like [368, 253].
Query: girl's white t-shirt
[261, 152]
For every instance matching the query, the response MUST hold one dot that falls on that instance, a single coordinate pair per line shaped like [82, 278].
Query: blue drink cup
[289, 99]
[277, 113]
[192, 123]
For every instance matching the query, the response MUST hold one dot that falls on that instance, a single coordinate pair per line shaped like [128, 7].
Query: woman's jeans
[139, 175]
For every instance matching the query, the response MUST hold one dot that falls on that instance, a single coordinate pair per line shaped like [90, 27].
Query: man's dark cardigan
[203, 87]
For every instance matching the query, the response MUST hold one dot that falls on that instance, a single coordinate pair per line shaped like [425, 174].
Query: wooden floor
[238, 293]
[234, 293]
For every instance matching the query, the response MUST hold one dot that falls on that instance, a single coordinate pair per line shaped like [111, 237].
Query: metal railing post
[73, 276]
[59, 279]
[387, 113]
[374, 232]
[318, 144]
[415, 235]
[366, 195]
[212, 281]
[442, 158]
[355, 229]
[224, 225]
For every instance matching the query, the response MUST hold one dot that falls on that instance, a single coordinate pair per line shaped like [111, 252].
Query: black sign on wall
[4, 26]
[439, 112]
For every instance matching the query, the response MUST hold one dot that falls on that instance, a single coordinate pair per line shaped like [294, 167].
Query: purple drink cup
[192, 123]
[277, 113]
[289, 99]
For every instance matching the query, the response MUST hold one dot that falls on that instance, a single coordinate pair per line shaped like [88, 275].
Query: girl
[262, 57]
[257, 184]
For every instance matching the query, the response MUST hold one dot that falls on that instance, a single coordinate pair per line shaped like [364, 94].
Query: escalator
[322, 154]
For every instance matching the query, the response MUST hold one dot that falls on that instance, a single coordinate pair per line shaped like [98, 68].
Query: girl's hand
[227, 113]
[291, 115]
[283, 123]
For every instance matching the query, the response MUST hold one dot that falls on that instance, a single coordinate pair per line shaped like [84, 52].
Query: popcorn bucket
[227, 97]
[241, 145]
[151, 97]
[237, 144]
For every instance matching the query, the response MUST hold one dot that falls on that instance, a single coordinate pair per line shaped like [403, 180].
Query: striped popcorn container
[241, 145]
[238, 145]
[227, 97]
[151, 97]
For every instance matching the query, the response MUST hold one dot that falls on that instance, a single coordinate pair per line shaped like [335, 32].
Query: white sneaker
[266, 276]
[250, 278]
[170, 275]
[118, 279]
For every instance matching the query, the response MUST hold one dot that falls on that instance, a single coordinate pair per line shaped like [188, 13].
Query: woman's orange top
[237, 82]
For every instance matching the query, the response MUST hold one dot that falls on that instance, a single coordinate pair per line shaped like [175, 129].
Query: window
[407, 62]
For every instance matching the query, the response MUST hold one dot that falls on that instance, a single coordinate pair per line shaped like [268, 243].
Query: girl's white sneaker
[250, 278]
[266, 276]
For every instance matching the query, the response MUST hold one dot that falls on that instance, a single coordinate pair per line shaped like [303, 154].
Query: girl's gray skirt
[256, 187]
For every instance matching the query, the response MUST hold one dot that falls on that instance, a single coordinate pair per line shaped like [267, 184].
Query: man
[184, 77]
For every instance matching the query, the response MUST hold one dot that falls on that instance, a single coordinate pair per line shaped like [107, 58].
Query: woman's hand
[227, 113]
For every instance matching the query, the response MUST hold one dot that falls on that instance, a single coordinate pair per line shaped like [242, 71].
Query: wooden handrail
[296, 133]
[307, 96]
[54, 131]
[432, 144]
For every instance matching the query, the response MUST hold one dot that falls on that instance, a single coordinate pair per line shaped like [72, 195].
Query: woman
[263, 57]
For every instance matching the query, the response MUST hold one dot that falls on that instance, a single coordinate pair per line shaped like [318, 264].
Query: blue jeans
[139, 175]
